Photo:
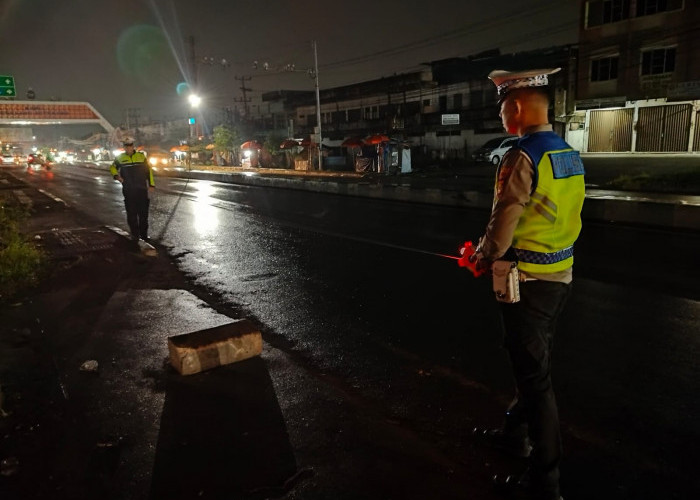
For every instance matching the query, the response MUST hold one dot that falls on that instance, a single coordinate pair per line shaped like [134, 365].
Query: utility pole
[318, 110]
[137, 134]
[228, 114]
[244, 89]
[132, 118]
[193, 56]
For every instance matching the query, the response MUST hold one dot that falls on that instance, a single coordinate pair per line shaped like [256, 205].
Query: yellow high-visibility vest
[544, 237]
[134, 169]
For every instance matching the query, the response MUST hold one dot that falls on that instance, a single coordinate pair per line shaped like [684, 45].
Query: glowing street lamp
[194, 100]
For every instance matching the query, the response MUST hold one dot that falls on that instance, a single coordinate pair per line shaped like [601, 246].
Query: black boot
[516, 445]
[521, 486]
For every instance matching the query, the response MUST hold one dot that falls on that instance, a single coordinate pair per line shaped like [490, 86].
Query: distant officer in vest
[535, 220]
[132, 169]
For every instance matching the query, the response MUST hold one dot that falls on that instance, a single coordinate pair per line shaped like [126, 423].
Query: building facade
[638, 79]
[638, 49]
[447, 110]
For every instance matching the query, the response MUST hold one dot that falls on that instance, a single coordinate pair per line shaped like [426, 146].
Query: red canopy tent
[352, 142]
[289, 144]
[377, 139]
[251, 145]
[307, 142]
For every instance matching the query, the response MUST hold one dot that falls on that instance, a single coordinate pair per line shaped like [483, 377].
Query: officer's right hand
[482, 264]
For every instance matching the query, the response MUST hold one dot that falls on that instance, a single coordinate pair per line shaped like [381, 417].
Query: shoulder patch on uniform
[566, 164]
[504, 172]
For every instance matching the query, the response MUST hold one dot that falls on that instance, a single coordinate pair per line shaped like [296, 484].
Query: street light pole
[318, 111]
[194, 101]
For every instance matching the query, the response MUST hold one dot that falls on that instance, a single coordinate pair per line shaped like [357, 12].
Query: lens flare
[144, 54]
[182, 88]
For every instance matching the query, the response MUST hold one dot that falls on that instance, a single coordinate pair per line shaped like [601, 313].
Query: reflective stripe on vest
[542, 203]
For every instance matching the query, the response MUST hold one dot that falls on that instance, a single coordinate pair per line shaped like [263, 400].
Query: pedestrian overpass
[20, 113]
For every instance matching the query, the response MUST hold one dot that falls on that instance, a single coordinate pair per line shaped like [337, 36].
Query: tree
[274, 156]
[227, 141]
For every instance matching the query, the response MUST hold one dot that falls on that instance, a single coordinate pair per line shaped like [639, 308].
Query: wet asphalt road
[353, 287]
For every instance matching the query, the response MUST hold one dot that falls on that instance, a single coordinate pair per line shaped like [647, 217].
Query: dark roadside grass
[21, 268]
[684, 181]
[21, 263]
[681, 182]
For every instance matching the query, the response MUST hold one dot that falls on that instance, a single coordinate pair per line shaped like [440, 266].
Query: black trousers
[528, 328]
[137, 203]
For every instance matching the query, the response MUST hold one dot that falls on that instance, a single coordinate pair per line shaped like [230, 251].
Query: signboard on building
[602, 102]
[655, 85]
[684, 90]
[7, 86]
[450, 119]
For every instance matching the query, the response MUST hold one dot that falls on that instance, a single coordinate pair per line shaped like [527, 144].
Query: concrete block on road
[202, 350]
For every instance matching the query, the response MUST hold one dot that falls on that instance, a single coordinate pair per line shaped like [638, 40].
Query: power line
[469, 29]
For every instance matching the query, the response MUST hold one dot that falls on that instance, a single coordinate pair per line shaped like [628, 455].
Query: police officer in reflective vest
[535, 220]
[131, 168]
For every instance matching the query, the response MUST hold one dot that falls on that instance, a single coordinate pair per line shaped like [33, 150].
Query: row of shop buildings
[630, 84]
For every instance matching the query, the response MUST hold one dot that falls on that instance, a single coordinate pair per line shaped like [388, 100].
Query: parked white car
[492, 151]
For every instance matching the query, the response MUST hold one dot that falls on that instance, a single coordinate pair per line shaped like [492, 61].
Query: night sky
[120, 54]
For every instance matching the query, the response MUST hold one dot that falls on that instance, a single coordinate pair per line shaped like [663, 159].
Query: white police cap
[506, 81]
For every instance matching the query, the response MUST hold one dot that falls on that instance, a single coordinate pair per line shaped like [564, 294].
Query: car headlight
[153, 161]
